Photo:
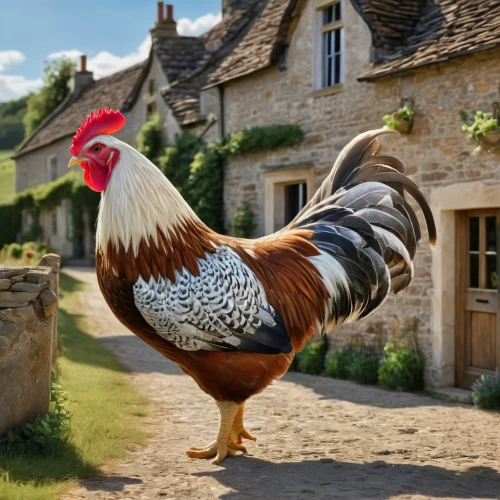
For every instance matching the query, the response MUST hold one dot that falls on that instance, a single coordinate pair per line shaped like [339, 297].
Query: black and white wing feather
[224, 308]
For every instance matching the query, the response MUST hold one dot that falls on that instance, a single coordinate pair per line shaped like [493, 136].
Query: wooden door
[478, 321]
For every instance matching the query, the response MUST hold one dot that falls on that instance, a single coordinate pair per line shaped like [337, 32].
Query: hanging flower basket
[401, 120]
[484, 130]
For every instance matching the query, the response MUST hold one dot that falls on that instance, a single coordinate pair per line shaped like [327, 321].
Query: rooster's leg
[224, 445]
[239, 432]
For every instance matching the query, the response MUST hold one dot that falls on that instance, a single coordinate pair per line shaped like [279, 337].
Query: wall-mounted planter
[401, 120]
[484, 130]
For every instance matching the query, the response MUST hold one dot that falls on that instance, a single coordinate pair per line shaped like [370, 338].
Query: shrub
[243, 224]
[353, 364]
[486, 392]
[402, 368]
[45, 434]
[149, 138]
[337, 363]
[312, 358]
[15, 251]
[10, 215]
[363, 367]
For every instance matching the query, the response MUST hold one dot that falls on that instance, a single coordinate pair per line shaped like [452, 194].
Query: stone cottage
[335, 67]
[168, 82]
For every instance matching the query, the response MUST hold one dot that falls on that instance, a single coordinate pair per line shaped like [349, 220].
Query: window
[295, 199]
[482, 235]
[54, 223]
[286, 193]
[53, 168]
[332, 41]
[151, 87]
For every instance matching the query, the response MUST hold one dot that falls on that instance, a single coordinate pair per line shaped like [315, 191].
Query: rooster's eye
[97, 149]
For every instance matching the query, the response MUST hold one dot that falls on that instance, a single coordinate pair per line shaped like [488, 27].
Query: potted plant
[484, 130]
[401, 120]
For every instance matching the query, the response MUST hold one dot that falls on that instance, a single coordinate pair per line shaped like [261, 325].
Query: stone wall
[436, 154]
[28, 340]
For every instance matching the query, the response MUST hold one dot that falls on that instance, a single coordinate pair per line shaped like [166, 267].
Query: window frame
[52, 161]
[274, 193]
[320, 87]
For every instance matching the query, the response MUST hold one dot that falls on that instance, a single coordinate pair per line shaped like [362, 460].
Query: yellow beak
[75, 160]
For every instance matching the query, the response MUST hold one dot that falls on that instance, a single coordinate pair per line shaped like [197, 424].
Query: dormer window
[332, 34]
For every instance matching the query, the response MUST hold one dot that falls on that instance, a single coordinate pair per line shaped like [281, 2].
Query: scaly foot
[238, 432]
[218, 450]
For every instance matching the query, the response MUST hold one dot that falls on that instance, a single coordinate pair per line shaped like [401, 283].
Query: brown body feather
[291, 282]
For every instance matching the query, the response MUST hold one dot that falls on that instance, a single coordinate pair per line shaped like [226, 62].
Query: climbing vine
[49, 196]
[197, 169]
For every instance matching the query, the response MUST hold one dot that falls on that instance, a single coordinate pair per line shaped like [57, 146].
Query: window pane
[491, 272]
[337, 12]
[491, 234]
[474, 234]
[337, 69]
[328, 15]
[474, 271]
[336, 49]
[295, 199]
[329, 72]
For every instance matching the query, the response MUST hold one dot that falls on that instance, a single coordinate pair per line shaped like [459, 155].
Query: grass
[6, 176]
[107, 413]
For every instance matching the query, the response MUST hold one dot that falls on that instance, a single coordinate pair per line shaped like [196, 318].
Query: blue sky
[113, 33]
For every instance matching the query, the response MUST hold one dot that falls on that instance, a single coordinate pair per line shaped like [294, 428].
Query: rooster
[233, 312]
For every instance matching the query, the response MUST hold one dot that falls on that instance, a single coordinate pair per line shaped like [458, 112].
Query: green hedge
[49, 196]
[10, 215]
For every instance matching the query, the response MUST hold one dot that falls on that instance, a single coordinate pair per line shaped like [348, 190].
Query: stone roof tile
[257, 49]
[185, 103]
[447, 29]
[114, 91]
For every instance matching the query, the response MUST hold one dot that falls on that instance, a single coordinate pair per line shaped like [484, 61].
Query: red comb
[105, 122]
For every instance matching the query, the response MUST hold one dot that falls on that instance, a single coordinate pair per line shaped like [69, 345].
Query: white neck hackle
[137, 201]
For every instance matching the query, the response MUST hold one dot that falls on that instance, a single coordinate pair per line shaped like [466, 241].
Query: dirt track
[316, 437]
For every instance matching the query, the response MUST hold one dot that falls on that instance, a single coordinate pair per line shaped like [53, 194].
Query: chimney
[165, 26]
[82, 79]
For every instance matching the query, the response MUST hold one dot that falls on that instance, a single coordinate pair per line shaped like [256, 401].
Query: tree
[11, 123]
[52, 94]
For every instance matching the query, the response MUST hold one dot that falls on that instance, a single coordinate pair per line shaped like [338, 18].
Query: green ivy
[149, 140]
[478, 127]
[49, 196]
[243, 224]
[45, 434]
[197, 169]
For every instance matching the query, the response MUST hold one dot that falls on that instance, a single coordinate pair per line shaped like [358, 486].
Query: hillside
[11, 123]
[6, 176]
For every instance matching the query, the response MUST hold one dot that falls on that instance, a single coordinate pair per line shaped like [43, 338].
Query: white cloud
[199, 26]
[10, 57]
[104, 63]
[14, 86]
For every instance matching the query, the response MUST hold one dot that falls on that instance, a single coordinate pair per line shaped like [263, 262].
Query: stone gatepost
[28, 303]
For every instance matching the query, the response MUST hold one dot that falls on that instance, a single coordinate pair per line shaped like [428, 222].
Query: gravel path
[316, 437]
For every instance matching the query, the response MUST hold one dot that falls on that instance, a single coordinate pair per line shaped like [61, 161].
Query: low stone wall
[28, 335]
